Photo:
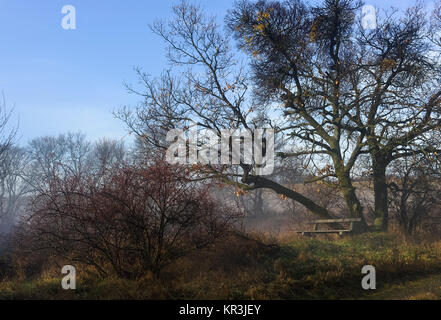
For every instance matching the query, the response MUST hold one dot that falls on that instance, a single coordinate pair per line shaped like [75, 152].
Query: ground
[424, 288]
[302, 268]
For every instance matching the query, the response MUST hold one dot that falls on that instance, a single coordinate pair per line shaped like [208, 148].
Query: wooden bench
[352, 226]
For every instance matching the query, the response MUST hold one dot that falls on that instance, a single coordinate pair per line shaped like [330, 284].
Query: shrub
[126, 221]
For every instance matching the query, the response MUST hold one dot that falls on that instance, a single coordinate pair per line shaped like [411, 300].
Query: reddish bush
[127, 221]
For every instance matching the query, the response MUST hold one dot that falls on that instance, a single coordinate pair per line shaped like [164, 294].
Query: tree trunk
[261, 182]
[351, 199]
[380, 192]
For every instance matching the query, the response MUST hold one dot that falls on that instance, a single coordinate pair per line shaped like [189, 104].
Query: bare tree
[13, 188]
[10, 161]
[333, 91]
[7, 133]
[107, 153]
[415, 191]
[212, 91]
[67, 154]
[346, 91]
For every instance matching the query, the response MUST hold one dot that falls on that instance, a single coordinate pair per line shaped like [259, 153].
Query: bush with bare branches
[129, 221]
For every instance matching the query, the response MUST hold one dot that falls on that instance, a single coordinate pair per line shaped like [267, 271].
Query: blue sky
[70, 80]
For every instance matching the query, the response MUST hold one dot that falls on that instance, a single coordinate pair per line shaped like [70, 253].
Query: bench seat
[352, 222]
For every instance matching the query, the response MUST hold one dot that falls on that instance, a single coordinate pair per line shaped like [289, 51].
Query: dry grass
[255, 268]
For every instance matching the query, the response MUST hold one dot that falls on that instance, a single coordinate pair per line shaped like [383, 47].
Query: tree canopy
[352, 100]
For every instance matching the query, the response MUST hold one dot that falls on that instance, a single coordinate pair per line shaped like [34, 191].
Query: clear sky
[70, 80]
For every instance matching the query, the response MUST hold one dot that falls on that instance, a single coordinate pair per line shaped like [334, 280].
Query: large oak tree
[332, 90]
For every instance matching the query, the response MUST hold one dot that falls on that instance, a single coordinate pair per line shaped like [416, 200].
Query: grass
[424, 288]
[303, 268]
[332, 269]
